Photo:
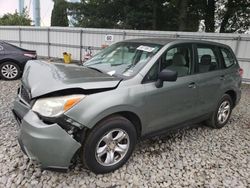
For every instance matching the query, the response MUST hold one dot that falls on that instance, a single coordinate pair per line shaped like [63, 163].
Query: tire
[101, 140]
[9, 71]
[216, 120]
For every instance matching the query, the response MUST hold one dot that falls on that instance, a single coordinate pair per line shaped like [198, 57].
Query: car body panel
[232, 80]
[49, 144]
[188, 98]
[97, 106]
[209, 91]
[62, 77]
[174, 103]
[20, 109]
[14, 54]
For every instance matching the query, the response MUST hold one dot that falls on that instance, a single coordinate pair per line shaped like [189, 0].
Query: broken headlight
[55, 106]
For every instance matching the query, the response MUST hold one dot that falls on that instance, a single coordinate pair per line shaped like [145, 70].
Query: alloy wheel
[112, 147]
[223, 112]
[9, 71]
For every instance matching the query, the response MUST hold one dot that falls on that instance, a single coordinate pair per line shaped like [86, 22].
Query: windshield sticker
[111, 73]
[145, 48]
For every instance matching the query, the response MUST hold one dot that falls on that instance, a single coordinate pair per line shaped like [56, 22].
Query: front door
[175, 102]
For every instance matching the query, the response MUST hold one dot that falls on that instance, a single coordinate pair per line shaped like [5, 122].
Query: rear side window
[1, 48]
[228, 57]
[207, 59]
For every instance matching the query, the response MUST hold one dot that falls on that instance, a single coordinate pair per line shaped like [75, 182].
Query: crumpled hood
[41, 78]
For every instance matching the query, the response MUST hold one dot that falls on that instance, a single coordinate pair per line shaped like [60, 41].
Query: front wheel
[109, 145]
[222, 113]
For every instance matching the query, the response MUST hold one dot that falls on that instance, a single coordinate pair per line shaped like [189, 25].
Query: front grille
[25, 95]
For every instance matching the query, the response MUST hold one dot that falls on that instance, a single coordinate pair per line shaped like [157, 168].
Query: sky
[9, 6]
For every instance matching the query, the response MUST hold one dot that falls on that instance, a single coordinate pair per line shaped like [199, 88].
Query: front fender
[95, 107]
[113, 110]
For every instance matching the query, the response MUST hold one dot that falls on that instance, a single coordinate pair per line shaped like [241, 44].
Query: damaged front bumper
[49, 144]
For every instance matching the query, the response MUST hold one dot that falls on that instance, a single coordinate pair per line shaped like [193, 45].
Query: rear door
[211, 77]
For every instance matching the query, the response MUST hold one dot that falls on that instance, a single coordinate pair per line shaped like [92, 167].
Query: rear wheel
[222, 113]
[109, 145]
[9, 71]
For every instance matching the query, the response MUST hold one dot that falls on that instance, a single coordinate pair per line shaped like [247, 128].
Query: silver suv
[131, 90]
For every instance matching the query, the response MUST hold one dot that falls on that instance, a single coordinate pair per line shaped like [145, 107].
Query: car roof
[9, 44]
[161, 41]
[164, 41]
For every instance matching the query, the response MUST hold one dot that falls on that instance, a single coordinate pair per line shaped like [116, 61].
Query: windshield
[123, 59]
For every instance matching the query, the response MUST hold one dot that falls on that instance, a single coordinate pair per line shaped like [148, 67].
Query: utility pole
[36, 12]
[21, 6]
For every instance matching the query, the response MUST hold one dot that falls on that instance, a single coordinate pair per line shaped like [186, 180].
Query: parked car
[13, 60]
[130, 90]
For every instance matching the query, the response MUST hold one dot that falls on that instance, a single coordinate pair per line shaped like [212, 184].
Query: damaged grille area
[25, 95]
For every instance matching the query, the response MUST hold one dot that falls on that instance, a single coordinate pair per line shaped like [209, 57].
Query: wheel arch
[12, 61]
[233, 96]
[9, 60]
[131, 116]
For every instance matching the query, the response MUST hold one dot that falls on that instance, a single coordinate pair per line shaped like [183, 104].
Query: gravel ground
[197, 157]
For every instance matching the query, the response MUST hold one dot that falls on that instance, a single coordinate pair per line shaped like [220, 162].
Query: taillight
[241, 72]
[30, 55]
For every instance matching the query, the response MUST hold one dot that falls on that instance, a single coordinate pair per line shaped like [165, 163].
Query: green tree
[137, 14]
[59, 15]
[209, 15]
[226, 16]
[170, 15]
[129, 14]
[187, 14]
[16, 19]
[96, 13]
[234, 17]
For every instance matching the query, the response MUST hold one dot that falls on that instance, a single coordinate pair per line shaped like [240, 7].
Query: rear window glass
[206, 51]
[227, 57]
[207, 59]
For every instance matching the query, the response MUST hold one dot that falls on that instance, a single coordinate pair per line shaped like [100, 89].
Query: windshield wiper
[96, 69]
[113, 65]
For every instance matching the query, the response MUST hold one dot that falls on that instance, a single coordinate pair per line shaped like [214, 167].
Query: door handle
[192, 85]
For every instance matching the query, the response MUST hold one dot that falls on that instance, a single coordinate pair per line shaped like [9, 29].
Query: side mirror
[166, 75]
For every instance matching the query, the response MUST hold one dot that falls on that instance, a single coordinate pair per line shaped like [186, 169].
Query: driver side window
[178, 58]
